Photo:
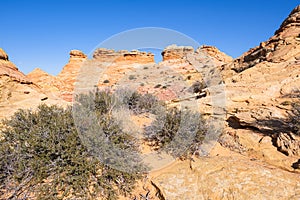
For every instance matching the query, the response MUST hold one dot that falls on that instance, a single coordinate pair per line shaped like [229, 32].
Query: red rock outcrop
[7, 68]
[280, 48]
[129, 57]
[17, 90]
[67, 76]
[176, 52]
[216, 54]
[47, 82]
[291, 25]
[261, 83]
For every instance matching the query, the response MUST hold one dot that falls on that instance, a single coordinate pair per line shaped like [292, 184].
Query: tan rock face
[67, 77]
[7, 68]
[226, 178]
[176, 52]
[216, 54]
[47, 82]
[263, 76]
[3, 55]
[291, 23]
[18, 91]
[260, 87]
[128, 57]
[282, 47]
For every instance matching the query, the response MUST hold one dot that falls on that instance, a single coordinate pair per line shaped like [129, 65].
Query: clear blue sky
[38, 33]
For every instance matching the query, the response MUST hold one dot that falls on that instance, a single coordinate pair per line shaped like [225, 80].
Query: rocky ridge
[17, 90]
[133, 56]
[260, 90]
[7, 68]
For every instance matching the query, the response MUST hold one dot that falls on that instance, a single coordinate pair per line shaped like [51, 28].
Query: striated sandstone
[3, 55]
[48, 83]
[67, 76]
[262, 84]
[176, 52]
[7, 68]
[216, 54]
[291, 24]
[129, 57]
[282, 47]
[18, 91]
[226, 177]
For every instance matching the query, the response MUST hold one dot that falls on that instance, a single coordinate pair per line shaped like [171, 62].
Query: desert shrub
[294, 118]
[41, 154]
[138, 103]
[178, 132]
[197, 87]
[148, 103]
[131, 77]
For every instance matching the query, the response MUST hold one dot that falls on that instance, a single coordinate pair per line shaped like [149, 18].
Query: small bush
[178, 132]
[138, 103]
[294, 118]
[131, 77]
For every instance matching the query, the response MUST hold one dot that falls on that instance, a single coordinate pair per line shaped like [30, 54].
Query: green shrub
[294, 118]
[131, 77]
[42, 155]
[138, 103]
[178, 132]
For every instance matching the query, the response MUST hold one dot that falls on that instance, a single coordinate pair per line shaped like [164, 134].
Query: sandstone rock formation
[17, 90]
[260, 84]
[7, 68]
[68, 75]
[176, 52]
[280, 48]
[226, 177]
[119, 62]
[47, 82]
[219, 57]
[134, 56]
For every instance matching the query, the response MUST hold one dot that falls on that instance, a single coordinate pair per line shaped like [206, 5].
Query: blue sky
[38, 33]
